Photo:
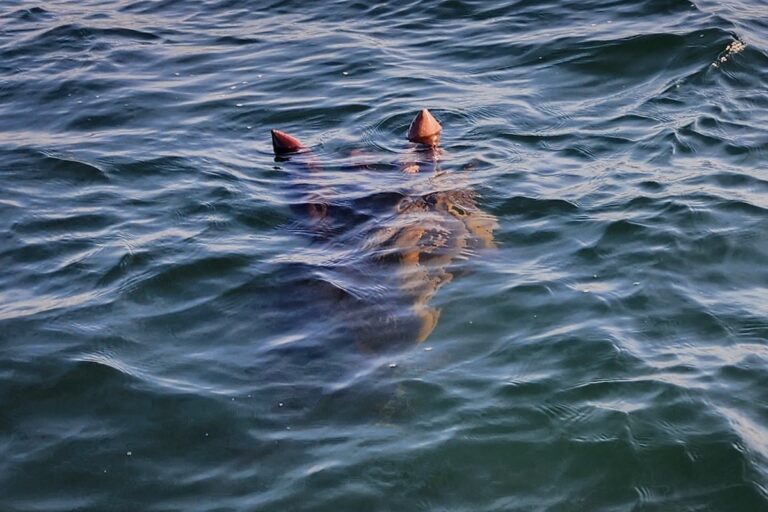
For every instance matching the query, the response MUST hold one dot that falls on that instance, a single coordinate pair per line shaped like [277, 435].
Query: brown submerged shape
[424, 236]
[427, 235]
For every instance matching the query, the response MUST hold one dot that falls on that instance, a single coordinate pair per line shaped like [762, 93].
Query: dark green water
[176, 333]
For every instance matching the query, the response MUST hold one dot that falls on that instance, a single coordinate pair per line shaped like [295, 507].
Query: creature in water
[409, 250]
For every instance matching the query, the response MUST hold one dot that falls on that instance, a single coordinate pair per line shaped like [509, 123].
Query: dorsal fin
[283, 143]
[425, 129]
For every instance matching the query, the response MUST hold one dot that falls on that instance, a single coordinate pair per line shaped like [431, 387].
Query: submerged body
[407, 252]
[426, 235]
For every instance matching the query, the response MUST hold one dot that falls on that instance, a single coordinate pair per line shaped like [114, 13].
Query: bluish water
[178, 333]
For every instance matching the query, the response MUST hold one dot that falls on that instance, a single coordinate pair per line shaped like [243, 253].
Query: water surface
[177, 334]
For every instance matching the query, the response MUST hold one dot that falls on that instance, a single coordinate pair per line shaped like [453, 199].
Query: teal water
[178, 333]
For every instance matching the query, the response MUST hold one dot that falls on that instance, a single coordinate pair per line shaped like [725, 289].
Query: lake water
[563, 309]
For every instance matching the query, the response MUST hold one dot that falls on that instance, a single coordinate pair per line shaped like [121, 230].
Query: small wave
[17, 307]
[109, 359]
[58, 168]
[33, 14]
